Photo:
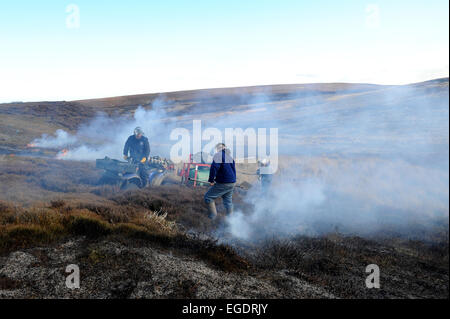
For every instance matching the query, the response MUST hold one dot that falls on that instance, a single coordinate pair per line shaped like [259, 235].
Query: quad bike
[126, 175]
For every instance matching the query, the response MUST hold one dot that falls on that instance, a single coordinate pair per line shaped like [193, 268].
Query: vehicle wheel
[157, 180]
[131, 184]
[170, 179]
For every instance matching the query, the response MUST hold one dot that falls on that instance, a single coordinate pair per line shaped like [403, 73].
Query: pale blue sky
[132, 47]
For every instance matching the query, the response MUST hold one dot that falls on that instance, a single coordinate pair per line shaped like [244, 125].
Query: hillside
[362, 179]
[20, 123]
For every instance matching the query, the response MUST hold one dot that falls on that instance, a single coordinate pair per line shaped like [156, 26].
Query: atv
[125, 174]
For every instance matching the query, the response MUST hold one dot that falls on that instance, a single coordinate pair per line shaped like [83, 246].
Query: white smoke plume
[372, 164]
[361, 197]
[61, 139]
[106, 135]
[362, 162]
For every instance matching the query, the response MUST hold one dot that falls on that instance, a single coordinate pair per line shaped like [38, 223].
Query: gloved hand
[125, 157]
[143, 160]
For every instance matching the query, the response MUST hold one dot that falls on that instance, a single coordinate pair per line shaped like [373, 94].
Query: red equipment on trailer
[194, 173]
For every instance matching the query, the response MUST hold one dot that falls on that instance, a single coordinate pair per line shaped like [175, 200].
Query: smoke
[105, 135]
[282, 213]
[367, 164]
[360, 197]
[61, 139]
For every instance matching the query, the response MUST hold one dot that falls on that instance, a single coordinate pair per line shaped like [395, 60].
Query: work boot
[212, 210]
[229, 210]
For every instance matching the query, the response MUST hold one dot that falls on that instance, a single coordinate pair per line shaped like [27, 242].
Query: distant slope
[277, 91]
[22, 122]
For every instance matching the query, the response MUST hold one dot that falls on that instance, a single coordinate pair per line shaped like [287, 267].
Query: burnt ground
[53, 214]
[158, 242]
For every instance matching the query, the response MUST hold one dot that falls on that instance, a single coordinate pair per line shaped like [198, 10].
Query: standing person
[139, 149]
[264, 178]
[222, 178]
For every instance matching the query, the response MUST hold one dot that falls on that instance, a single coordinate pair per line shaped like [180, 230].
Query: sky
[69, 50]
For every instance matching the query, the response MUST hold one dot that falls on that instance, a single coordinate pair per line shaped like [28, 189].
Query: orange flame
[63, 153]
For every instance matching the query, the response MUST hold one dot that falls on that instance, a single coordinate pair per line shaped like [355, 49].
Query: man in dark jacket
[222, 178]
[139, 149]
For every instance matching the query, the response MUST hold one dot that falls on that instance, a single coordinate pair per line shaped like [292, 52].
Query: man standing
[264, 178]
[139, 149]
[222, 178]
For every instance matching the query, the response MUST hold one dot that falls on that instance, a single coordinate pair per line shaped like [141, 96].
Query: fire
[63, 153]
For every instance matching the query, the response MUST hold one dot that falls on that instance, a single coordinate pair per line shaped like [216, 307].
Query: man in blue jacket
[222, 178]
[139, 149]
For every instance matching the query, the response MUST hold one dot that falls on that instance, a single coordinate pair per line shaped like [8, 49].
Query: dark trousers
[142, 171]
[221, 190]
[143, 174]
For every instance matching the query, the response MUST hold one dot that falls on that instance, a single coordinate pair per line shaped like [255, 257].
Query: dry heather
[409, 269]
[22, 228]
[154, 243]
[56, 200]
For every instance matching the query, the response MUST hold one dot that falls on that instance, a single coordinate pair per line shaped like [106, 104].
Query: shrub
[89, 226]
[20, 236]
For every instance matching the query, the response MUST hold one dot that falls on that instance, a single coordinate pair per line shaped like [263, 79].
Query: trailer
[195, 172]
